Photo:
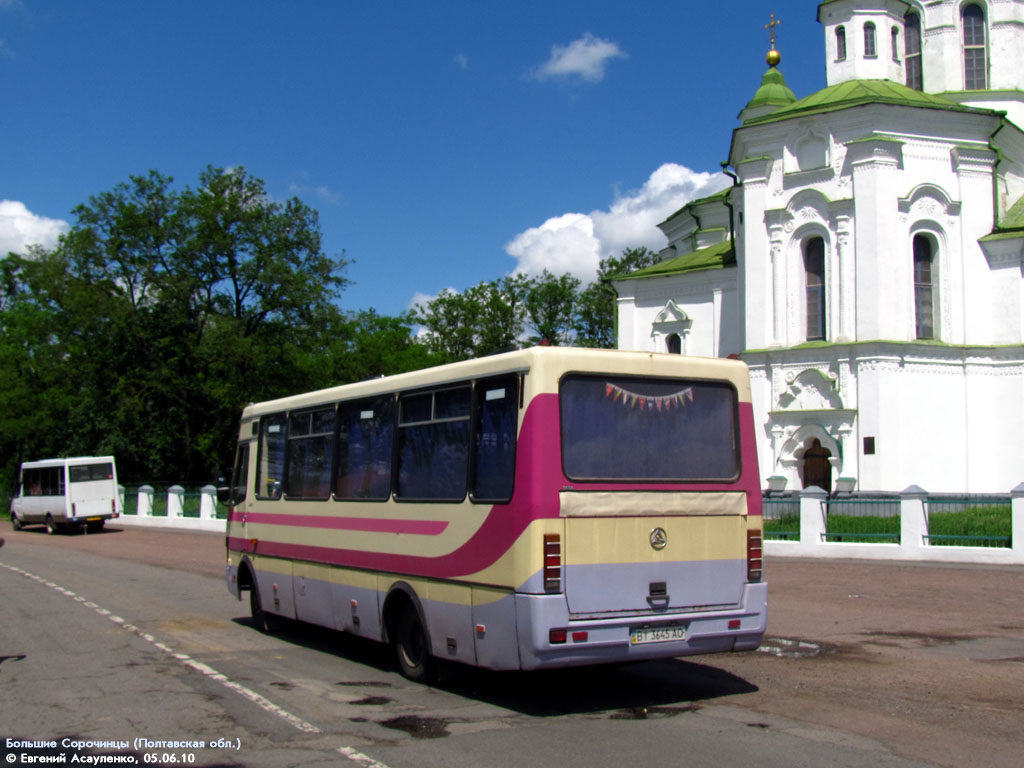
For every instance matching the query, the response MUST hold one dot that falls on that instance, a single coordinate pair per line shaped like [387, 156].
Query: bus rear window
[637, 429]
[82, 473]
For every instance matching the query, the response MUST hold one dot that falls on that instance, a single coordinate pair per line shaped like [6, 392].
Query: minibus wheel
[259, 616]
[412, 646]
[51, 526]
[15, 522]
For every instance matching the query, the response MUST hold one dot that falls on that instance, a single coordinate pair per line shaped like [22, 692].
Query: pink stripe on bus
[374, 524]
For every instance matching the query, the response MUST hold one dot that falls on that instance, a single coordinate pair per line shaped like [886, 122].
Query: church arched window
[924, 287]
[870, 50]
[912, 50]
[895, 44]
[975, 48]
[840, 43]
[814, 282]
[674, 344]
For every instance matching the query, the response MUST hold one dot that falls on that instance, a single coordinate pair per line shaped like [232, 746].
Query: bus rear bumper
[541, 620]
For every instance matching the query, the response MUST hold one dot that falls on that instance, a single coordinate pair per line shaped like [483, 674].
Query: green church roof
[1011, 226]
[852, 93]
[715, 256]
[773, 91]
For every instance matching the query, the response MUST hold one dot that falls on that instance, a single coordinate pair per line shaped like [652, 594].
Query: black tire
[15, 522]
[259, 616]
[51, 526]
[264, 621]
[413, 647]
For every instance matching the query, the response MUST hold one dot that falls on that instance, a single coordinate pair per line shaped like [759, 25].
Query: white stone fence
[175, 517]
[912, 542]
[812, 540]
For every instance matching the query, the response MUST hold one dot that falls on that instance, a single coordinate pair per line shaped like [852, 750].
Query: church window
[814, 272]
[840, 44]
[870, 51]
[895, 44]
[975, 49]
[912, 50]
[924, 287]
[674, 344]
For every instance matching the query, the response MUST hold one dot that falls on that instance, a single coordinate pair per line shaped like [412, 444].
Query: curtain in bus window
[310, 454]
[270, 466]
[365, 432]
[648, 429]
[494, 463]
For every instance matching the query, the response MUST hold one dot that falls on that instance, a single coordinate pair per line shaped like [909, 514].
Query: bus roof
[558, 360]
[69, 460]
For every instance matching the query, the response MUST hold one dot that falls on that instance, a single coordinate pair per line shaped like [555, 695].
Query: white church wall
[709, 301]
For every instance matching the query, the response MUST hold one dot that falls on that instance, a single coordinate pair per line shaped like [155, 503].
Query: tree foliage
[518, 311]
[159, 315]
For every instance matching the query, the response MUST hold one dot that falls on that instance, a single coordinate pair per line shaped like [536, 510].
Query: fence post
[913, 518]
[145, 505]
[812, 517]
[208, 502]
[1017, 521]
[120, 497]
[175, 501]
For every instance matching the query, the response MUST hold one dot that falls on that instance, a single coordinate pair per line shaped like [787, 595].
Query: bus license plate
[656, 635]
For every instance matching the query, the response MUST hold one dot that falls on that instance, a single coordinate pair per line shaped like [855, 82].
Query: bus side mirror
[223, 490]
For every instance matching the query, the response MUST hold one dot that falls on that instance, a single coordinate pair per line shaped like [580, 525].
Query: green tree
[158, 316]
[596, 307]
[551, 308]
[482, 320]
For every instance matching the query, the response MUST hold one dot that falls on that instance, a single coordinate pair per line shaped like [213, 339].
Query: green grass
[981, 526]
[863, 529]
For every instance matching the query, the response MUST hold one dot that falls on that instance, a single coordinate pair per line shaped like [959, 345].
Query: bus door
[90, 489]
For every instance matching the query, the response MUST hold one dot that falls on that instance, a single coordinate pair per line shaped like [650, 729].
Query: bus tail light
[552, 562]
[755, 562]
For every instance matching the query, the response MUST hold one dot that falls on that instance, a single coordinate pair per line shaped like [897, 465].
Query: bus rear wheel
[413, 647]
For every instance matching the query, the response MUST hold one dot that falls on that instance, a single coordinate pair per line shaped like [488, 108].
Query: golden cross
[771, 27]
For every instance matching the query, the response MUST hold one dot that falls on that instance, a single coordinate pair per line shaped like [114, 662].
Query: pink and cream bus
[540, 508]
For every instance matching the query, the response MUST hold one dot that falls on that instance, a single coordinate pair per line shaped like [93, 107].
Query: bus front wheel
[15, 522]
[413, 647]
[51, 526]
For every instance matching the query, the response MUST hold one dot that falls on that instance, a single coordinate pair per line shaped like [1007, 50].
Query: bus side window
[494, 439]
[310, 454]
[270, 466]
[433, 445]
[366, 431]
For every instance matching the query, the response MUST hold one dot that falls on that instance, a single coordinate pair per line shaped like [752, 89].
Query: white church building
[868, 261]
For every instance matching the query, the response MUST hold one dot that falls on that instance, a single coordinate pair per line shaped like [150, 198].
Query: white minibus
[67, 494]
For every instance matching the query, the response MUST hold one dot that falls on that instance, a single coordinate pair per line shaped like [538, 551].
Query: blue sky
[443, 143]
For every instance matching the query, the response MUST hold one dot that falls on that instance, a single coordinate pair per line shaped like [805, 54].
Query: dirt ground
[927, 658]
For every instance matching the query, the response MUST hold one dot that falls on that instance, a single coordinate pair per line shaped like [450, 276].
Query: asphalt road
[132, 635]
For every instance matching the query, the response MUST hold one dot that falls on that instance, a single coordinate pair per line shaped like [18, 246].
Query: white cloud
[585, 58]
[20, 228]
[576, 242]
[462, 60]
[319, 191]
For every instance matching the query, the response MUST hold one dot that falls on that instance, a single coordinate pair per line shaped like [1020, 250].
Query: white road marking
[358, 757]
[256, 698]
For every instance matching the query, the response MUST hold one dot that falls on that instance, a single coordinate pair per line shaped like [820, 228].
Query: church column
[846, 277]
[880, 299]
